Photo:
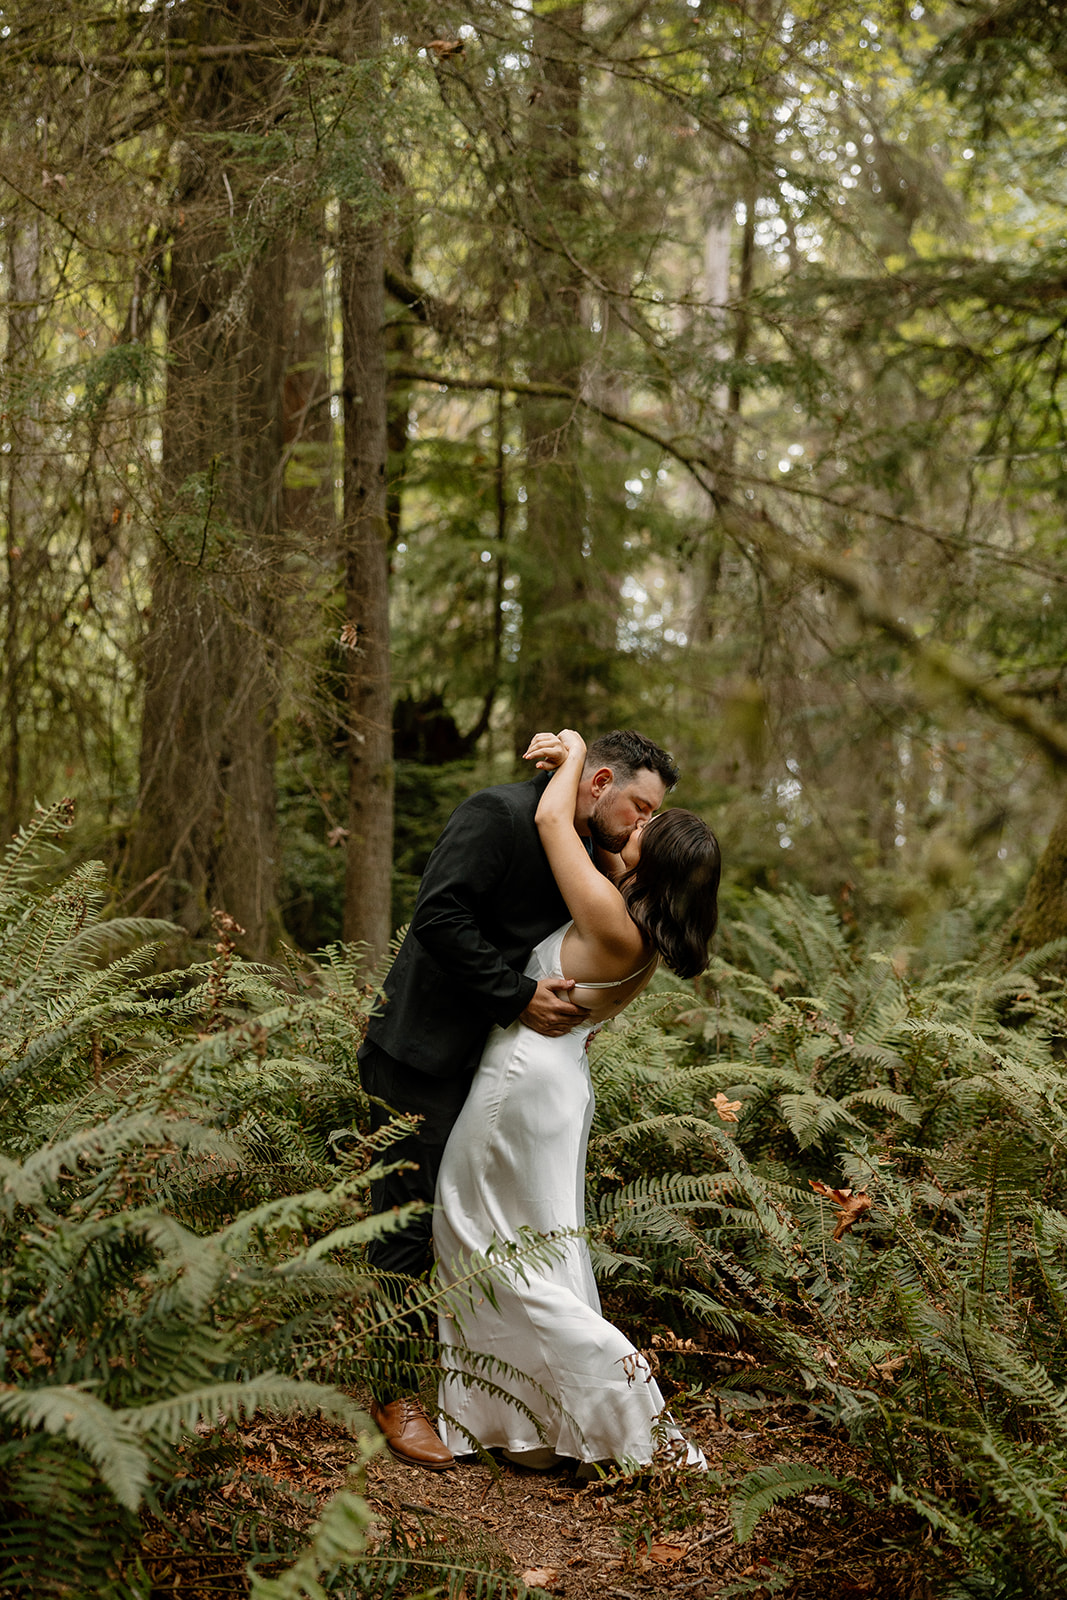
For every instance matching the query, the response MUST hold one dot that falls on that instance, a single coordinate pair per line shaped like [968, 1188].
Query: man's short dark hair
[627, 753]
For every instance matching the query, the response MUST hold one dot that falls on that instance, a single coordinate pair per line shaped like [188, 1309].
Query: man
[486, 899]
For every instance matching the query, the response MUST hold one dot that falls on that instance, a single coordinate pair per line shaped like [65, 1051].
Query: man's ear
[602, 779]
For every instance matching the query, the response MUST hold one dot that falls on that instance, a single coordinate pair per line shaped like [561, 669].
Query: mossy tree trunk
[1043, 914]
[565, 624]
[206, 835]
[22, 452]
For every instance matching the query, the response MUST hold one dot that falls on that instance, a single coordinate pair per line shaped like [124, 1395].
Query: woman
[554, 1379]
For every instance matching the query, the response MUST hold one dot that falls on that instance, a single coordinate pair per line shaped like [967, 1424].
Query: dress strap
[613, 983]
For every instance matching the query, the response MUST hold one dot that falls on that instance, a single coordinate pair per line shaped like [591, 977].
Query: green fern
[943, 1308]
[758, 1491]
[181, 1238]
[183, 1187]
[336, 1541]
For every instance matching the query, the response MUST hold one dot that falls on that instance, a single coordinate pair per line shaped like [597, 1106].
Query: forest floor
[664, 1533]
[669, 1533]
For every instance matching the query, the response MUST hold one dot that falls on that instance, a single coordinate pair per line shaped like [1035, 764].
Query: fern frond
[28, 1182]
[335, 1541]
[766, 1486]
[178, 1414]
[898, 1105]
[810, 1116]
[33, 841]
[107, 1438]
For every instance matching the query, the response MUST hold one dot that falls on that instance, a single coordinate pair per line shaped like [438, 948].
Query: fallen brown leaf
[541, 1577]
[666, 1555]
[887, 1370]
[851, 1213]
[726, 1108]
[851, 1206]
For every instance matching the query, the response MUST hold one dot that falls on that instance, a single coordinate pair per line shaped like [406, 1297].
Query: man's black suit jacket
[486, 899]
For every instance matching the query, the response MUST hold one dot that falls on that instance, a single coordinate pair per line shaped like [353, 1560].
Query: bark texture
[563, 627]
[307, 508]
[368, 879]
[22, 448]
[206, 833]
[1043, 914]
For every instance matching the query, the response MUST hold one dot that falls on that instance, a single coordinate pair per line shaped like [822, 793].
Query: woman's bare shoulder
[605, 956]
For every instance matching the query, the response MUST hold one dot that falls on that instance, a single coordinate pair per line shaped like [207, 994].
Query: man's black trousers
[438, 1101]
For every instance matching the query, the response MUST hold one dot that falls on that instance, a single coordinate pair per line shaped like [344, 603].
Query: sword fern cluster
[931, 1329]
[181, 1205]
[182, 1182]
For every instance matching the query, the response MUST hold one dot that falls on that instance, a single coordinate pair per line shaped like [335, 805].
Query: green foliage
[930, 1331]
[765, 1487]
[338, 1537]
[182, 1210]
[183, 1179]
[193, 531]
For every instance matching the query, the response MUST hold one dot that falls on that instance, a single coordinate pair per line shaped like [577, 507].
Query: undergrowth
[183, 1200]
[846, 1161]
[830, 1176]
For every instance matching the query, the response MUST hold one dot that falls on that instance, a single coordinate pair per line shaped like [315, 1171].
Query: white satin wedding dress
[516, 1159]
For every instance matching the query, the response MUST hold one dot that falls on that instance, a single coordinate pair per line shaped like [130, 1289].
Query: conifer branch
[963, 676]
[940, 662]
[178, 52]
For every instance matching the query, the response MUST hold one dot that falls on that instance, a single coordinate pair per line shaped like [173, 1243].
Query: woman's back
[565, 954]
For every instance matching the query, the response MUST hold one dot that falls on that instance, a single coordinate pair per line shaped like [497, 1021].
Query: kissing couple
[544, 909]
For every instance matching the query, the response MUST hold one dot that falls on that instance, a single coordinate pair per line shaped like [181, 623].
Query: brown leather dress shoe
[410, 1434]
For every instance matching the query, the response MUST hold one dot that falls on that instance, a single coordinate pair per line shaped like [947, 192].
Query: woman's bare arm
[601, 919]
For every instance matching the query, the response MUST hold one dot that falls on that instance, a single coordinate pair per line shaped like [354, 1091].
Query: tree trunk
[368, 881]
[706, 568]
[206, 832]
[22, 446]
[1043, 914]
[400, 347]
[307, 511]
[565, 647]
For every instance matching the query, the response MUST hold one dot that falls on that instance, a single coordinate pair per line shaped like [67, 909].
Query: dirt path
[658, 1533]
[664, 1533]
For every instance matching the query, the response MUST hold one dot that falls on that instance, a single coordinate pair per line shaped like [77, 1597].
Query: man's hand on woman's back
[550, 1012]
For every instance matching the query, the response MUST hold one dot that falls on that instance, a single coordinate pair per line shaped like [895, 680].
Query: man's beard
[613, 842]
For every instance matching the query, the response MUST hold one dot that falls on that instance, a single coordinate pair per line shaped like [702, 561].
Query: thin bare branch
[177, 52]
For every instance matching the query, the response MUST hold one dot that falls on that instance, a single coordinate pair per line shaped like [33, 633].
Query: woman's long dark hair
[673, 892]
